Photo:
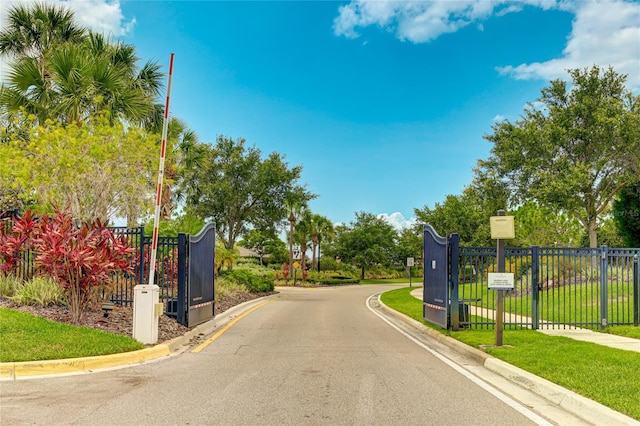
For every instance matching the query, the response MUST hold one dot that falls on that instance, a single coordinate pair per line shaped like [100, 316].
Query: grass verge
[606, 375]
[26, 337]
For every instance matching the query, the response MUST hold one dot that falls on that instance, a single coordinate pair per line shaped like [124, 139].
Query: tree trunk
[593, 235]
[362, 273]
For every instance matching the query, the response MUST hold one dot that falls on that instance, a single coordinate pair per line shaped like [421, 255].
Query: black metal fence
[553, 287]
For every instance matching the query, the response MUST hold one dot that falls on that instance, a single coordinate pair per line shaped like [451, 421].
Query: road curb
[580, 406]
[84, 365]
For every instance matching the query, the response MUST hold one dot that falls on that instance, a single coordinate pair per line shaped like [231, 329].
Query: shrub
[41, 291]
[251, 281]
[80, 259]
[226, 288]
[9, 285]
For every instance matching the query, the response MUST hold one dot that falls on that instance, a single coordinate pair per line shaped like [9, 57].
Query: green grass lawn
[606, 375]
[25, 337]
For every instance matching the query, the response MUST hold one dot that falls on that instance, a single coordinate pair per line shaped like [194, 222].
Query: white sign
[410, 261]
[501, 281]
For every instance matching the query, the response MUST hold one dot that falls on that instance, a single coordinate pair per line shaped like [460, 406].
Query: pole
[163, 149]
[146, 308]
[636, 291]
[500, 296]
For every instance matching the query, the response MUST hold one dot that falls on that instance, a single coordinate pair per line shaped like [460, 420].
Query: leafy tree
[367, 241]
[626, 213]
[575, 149]
[239, 190]
[536, 225]
[100, 171]
[265, 243]
[410, 243]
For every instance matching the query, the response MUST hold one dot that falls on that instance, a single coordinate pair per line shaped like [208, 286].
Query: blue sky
[385, 104]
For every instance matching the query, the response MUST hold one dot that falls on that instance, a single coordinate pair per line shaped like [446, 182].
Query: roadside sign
[501, 281]
[296, 265]
[410, 261]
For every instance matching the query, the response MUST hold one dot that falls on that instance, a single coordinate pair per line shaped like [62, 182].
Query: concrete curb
[585, 408]
[38, 369]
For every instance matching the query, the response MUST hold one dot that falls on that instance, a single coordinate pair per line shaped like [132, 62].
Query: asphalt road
[309, 357]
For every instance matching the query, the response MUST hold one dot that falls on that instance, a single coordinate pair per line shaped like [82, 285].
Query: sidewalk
[604, 339]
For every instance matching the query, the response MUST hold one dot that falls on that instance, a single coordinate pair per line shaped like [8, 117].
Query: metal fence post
[604, 290]
[535, 260]
[636, 292]
[182, 278]
[454, 259]
[141, 247]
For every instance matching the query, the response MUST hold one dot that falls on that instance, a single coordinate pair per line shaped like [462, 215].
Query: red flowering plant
[81, 259]
[14, 241]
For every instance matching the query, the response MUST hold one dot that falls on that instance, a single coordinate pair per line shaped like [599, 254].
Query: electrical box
[145, 320]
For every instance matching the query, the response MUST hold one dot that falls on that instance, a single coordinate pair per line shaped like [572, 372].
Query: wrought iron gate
[201, 273]
[435, 297]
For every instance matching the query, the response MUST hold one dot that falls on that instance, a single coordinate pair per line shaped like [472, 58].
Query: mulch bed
[120, 319]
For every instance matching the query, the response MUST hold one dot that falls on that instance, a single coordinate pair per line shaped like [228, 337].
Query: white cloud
[415, 21]
[604, 32]
[103, 16]
[397, 220]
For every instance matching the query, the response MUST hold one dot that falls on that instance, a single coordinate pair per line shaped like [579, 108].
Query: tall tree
[238, 189]
[66, 73]
[98, 170]
[367, 241]
[302, 235]
[321, 229]
[575, 149]
[32, 29]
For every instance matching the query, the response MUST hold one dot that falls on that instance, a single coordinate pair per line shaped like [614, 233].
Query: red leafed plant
[14, 241]
[80, 259]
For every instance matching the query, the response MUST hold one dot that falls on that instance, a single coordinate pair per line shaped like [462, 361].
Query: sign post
[410, 263]
[502, 228]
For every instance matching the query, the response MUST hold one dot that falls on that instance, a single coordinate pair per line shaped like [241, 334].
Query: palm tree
[320, 227]
[31, 30]
[293, 208]
[67, 74]
[302, 234]
[181, 144]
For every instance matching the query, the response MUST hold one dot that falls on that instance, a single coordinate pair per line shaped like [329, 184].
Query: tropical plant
[80, 259]
[321, 229]
[66, 73]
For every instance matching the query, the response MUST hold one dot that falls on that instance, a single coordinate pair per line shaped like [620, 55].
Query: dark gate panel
[201, 271]
[436, 276]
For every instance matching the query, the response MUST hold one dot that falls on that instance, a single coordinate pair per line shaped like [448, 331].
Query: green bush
[9, 284]
[252, 281]
[39, 291]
